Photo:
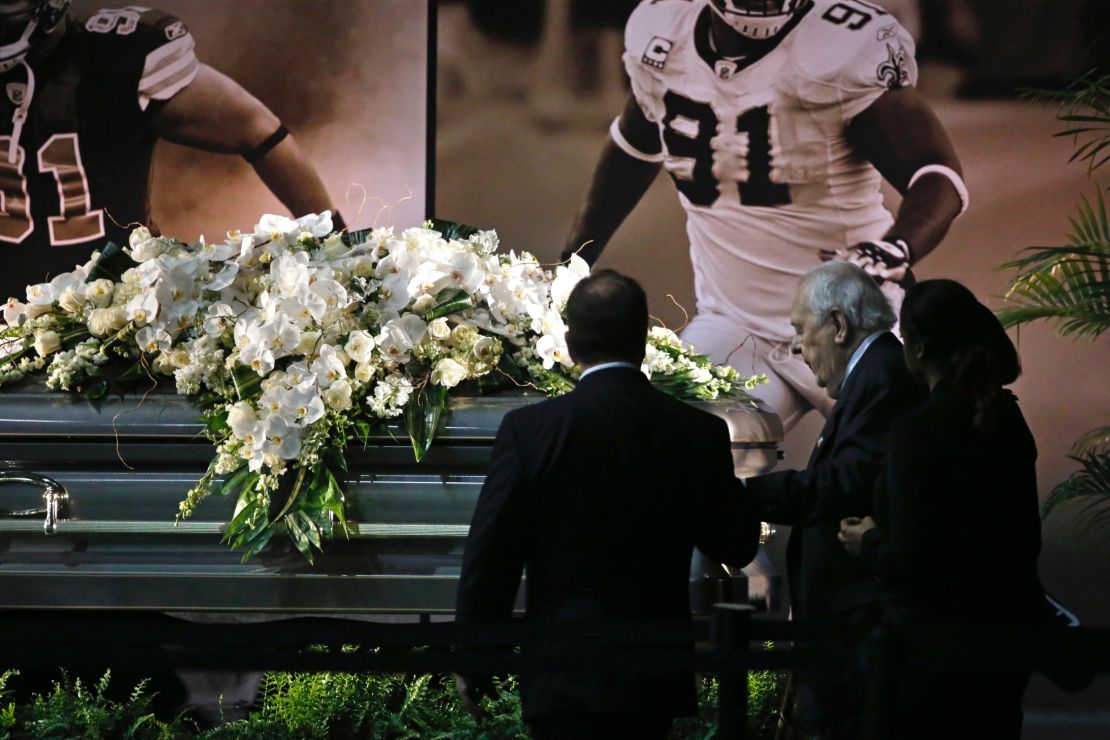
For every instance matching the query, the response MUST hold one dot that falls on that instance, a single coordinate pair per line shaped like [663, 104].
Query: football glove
[885, 261]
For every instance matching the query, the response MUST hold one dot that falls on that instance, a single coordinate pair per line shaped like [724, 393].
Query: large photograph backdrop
[527, 92]
[349, 80]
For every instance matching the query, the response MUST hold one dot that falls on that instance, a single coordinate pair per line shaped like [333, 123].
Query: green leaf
[96, 391]
[112, 263]
[452, 230]
[422, 416]
[247, 382]
[449, 301]
[299, 537]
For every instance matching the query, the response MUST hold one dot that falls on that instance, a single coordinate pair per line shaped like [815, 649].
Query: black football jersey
[81, 175]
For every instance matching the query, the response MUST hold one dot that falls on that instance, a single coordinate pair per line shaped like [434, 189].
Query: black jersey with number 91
[79, 174]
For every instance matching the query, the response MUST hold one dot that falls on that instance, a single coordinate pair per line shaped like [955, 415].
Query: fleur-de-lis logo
[893, 72]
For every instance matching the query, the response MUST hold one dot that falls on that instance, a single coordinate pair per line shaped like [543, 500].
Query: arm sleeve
[142, 54]
[495, 547]
[727, 528]
[841, 484]
[905, 551]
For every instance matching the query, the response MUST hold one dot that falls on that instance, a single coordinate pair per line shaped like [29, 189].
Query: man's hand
[852, 530]
[471, 690]
[885, 261]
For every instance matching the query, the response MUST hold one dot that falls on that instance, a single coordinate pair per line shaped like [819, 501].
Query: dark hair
[963, 339]
[607, 318]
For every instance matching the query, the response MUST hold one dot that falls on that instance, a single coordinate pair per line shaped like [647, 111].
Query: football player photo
[89, 90]
[777, 120]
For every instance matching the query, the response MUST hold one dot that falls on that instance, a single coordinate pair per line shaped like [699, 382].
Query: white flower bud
[47, 342]
[423, 303]
[34, 310]
[364, 372]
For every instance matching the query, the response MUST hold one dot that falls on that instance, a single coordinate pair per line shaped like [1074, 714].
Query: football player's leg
[727, 343]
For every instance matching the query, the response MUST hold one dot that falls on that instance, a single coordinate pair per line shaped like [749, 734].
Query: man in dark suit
[842, 327]
[602, 495]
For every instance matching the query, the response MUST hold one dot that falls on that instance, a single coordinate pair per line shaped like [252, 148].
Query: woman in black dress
[956, 531]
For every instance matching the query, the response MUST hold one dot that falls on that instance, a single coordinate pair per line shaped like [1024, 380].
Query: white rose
[448, 373]
[99, 292]
[71, 300]
[484, 348]
[359, 346]
[338, 395]
[144, 246]
[464, 334]
[364, 268]
[424, 303]
[163, 364]
[242, 419]
[439, 329]
[98, 322]
[364, 372]
[47, 342]
[116, 317]
[180, 358]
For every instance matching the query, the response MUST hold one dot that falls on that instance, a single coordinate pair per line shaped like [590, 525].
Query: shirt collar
[606, 366]
[854, 359]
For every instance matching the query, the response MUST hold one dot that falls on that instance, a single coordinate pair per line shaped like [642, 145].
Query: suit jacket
[602, 495]
[959, 530]
[824, 579]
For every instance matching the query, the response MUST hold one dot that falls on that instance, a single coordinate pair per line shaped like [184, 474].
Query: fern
[1091, 482]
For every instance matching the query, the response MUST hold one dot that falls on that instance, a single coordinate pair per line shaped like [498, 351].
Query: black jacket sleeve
[495, 547]
[840, 484]
[727, 527]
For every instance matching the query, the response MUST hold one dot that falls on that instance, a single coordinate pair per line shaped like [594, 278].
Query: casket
[89, 494]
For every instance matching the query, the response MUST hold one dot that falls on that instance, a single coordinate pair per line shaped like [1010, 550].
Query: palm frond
[1094, 441]
[1069, 285]
[1085, 112]
[1091, 481]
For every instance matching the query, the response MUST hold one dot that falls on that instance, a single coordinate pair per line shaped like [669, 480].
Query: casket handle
[55, 498]
[767, 532]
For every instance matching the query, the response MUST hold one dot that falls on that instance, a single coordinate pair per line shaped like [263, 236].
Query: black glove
[882, 260]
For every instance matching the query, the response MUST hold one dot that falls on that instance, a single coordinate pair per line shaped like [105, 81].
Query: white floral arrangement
[295, 340]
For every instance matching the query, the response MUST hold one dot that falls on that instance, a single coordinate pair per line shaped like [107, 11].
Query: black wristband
[264, 148]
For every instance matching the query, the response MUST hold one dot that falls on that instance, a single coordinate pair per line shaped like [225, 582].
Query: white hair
[847, 287]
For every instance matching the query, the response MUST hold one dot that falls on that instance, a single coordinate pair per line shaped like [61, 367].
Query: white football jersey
[757, 148]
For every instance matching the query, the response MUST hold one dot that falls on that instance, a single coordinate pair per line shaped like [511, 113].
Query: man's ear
[571, 348]
[840, 322]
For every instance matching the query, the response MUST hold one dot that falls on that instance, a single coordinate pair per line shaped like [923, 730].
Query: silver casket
[108, 540]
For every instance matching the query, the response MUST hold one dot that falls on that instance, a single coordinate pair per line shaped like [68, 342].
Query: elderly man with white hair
[842, 325]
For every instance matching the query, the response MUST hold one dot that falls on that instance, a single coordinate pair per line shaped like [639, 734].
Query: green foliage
[333, 705]
[1070, 285]
[74, 710]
